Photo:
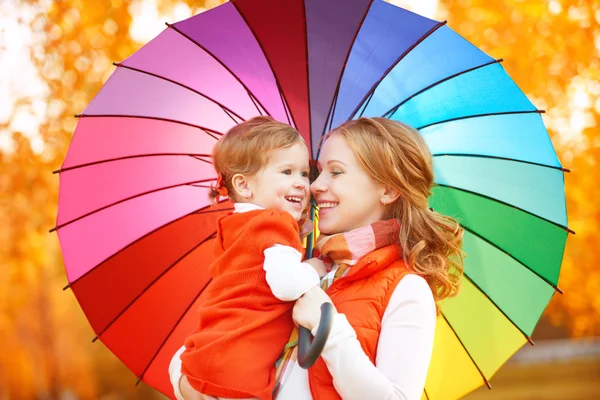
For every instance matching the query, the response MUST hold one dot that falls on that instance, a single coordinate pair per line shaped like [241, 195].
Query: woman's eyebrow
[335, 161]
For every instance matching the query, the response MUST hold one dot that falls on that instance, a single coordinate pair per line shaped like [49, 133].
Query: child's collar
[245, 207]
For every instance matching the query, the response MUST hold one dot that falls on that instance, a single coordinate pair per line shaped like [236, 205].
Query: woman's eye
[336, 172]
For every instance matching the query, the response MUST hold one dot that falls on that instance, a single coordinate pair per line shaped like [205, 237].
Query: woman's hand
[307, 310]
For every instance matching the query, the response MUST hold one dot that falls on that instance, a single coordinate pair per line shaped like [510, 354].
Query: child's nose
[300, 183]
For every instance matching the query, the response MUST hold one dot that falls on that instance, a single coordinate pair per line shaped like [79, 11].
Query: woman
[392, 259]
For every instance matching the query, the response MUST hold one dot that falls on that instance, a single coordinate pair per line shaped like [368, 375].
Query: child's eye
[287, 171]
[305, 174]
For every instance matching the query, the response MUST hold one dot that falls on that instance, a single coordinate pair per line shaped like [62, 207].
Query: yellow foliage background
[550, 48]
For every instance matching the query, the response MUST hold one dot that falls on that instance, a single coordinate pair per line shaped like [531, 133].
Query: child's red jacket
[243, 327]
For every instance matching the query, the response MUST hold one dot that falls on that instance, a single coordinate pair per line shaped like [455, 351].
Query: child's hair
[243, 150]
[396, 155]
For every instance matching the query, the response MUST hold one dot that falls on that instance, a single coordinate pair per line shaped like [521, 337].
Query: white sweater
[403, 351]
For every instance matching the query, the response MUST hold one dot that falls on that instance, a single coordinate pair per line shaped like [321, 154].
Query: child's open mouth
[296, 201]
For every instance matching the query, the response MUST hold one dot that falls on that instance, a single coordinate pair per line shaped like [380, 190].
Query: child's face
[283, 183]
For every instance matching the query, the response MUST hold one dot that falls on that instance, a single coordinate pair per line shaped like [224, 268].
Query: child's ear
[241, 186]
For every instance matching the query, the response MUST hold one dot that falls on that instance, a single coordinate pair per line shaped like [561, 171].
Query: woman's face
[347, 197]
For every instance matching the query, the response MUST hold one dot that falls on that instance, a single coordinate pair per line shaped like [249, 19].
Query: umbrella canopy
[134, 219]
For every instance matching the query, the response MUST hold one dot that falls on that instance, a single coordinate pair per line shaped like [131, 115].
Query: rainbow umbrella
[134, 220]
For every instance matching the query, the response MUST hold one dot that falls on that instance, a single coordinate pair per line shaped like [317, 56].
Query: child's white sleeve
[287, 276]
[175, 373]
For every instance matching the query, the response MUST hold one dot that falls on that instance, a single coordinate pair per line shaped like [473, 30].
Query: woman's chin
[328, 228]
[322, 232]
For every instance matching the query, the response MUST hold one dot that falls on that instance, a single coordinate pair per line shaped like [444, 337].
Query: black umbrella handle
[308, 352]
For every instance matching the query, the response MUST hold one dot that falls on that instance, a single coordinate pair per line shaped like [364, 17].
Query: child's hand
[305, 224]
[318, 265]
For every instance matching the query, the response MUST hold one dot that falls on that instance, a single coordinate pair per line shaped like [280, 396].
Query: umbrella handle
[308, 352]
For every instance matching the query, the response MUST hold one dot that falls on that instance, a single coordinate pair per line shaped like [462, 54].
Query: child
[246, 321]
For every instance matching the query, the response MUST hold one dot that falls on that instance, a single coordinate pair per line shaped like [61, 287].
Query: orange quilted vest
[363, 296]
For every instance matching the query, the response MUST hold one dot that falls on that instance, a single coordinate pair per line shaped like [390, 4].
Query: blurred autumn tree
[45, 340]
[551, 49]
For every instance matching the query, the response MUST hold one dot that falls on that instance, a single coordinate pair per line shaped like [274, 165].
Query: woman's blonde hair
[243, 150]
[396, 155]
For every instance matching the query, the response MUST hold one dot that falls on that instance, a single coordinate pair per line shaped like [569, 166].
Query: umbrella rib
[332, 106]
[366, 104]
[268, 61]
[481, 115]
[285, 106]
[330, 117]
[307, 79]
[127, 199]
[499, 309]
[211, 211]
[172, 330]
[555, 287]
[254, 102]
[467, 351]
[426, 395]
[329, 122]
[232, 116]
[202, 159]
[208, 131]
[393, 65]
[508, 205]
[222, 64]
[209, 237]
[226, 109]
[500, 158]
[60, 171]
[434, 84]
[197, 212]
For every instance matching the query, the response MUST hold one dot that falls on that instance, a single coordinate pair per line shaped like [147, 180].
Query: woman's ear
[389, 195]
[241, 186]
